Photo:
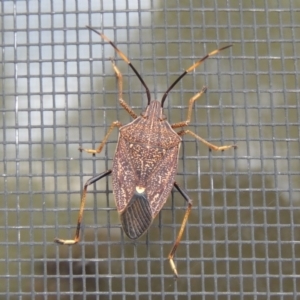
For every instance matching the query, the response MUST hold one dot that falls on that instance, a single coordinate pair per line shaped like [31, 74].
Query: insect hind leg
[80, 214]
[182, 227]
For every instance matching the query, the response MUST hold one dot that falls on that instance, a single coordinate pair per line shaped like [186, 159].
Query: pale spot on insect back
[140, 189]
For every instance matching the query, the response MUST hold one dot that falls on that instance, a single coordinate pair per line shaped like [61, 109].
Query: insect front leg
[80, 214]
[99, 149]
[182, 227]
[190, 109]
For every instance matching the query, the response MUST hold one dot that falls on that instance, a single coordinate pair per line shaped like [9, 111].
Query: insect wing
[161, 181]
[136, 217]
[123, 176]
[133, 206]
[138, 206]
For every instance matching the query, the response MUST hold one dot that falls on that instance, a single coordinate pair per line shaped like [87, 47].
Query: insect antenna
[194, 66]
[123, 56]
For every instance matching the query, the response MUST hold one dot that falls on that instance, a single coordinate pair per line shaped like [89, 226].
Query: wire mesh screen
[59, 92]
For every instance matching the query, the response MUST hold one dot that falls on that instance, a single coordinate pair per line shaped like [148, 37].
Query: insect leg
[124, 57]
[188, 120]
[80, 214]
[189, 116]
[209, 145]
[182, 227]
[120, 85]
[99, 149]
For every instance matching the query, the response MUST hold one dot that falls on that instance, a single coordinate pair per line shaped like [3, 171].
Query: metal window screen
[59, 92]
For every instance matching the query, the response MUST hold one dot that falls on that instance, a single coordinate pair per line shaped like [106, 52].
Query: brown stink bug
[145, 162]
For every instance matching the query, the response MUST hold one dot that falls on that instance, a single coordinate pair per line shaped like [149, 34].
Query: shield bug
[145, 161]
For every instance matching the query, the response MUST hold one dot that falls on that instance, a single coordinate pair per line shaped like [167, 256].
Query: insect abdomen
[136, 217]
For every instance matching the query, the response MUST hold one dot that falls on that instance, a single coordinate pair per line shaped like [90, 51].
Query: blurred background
[59, 92]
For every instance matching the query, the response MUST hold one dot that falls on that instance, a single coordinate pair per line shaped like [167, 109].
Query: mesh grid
[59, 92]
